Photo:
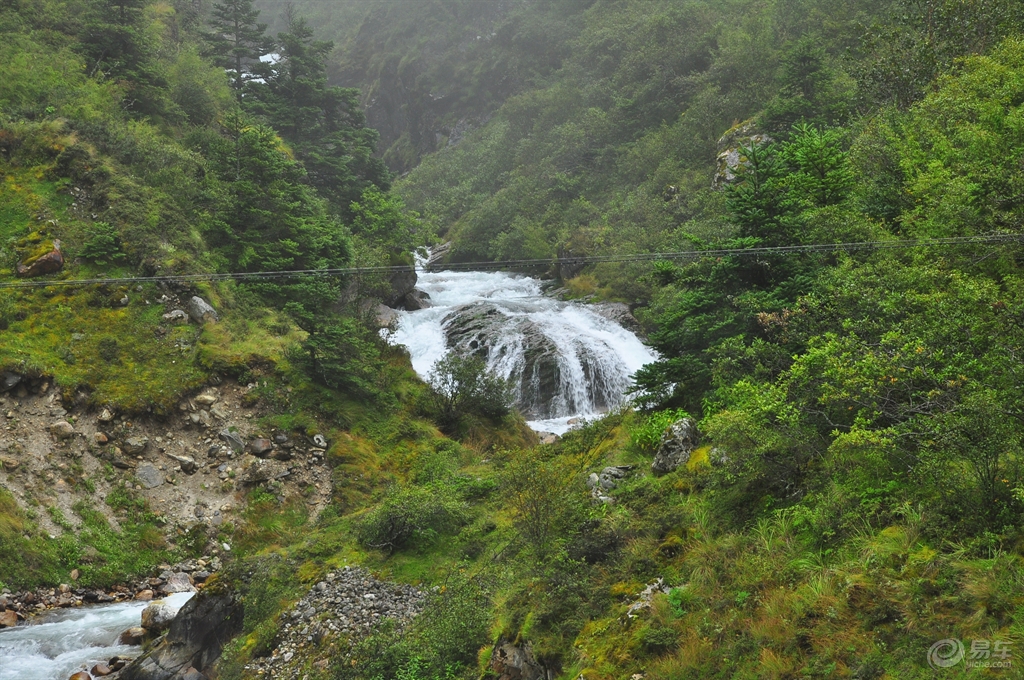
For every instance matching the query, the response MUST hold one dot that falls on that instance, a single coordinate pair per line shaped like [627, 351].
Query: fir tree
[238, 39]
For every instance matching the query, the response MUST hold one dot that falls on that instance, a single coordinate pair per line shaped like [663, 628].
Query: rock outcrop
[730, 151]
[677, 443]
[194, 640]
[511, 662]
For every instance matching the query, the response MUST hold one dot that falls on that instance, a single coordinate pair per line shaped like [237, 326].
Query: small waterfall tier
[564, 360]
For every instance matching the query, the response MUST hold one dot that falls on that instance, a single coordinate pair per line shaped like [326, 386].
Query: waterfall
[563, 359]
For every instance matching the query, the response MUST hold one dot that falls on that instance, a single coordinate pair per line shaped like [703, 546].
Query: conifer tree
[238, 39]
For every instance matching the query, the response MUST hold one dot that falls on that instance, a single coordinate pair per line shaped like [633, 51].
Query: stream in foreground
[60, 642]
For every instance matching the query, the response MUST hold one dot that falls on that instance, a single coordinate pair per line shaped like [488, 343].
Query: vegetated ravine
[565, 360]
[63, 641]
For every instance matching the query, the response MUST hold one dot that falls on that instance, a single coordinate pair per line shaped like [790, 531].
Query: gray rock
[105, 416]
[62, 429]
[261, 470]
[677, 443]
[177, 583]
[157, 617]
[149, 476]
[176, 316]
[188, 464]
[9, 381]
[416, 300]
[232, 439]
[730, 154]
[386, 316]
[320, 440]
[201, 311]
[619, 313]
[511, 662]
[401, 282]
[135, 445]
[438, 255]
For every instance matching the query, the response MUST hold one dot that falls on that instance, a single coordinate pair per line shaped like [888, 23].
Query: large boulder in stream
[195, 639]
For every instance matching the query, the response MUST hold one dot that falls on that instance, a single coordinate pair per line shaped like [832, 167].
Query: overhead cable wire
[530, 263]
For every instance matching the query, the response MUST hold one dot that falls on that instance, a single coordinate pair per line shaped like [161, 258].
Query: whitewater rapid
[595, 356]
[60, 642]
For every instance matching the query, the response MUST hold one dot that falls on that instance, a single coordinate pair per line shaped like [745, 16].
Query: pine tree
[238, 39]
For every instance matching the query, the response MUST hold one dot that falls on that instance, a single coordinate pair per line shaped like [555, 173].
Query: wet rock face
[401, 282]
[540, 384]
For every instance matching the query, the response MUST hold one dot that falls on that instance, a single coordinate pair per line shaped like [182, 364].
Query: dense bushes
[414, 515]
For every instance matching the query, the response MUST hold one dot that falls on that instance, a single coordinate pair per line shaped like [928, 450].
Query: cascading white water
[64, 641]
[564, 360]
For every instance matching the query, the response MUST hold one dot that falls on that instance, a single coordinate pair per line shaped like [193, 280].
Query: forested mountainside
[820, 475]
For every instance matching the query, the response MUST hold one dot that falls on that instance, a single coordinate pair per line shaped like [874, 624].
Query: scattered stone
[219, 411]
[232, 439]
[75, 574]
[176, 316]
[177, 583]
[320, 440]
[262, 470]
[144, 595]
[81, 675]
[512, 662]
[201, 311]
[100, 438]
[149, 476]
[101, 670]
[188, 464]
[645, 597]
[548, 437]
[348, 605]
[677, 443]
[105, 416]
[207, 399]
[62, 429]
[8, 464]
[261, 447]
[133, 446]
[8, 619]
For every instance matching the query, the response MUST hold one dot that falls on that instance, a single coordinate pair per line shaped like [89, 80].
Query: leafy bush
[647, 434]
[461, 385]
[412, 515]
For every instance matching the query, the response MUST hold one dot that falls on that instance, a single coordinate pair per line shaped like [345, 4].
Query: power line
[530, 263]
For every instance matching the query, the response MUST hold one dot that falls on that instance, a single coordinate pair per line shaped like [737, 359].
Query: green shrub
[103, 245]
[647, 434]
[462, 385]
[412, 515]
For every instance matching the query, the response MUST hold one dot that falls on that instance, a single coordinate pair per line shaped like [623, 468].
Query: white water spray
[564, 360]
[61, 642]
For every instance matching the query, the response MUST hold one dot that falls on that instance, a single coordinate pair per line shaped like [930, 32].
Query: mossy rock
[39, 255]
